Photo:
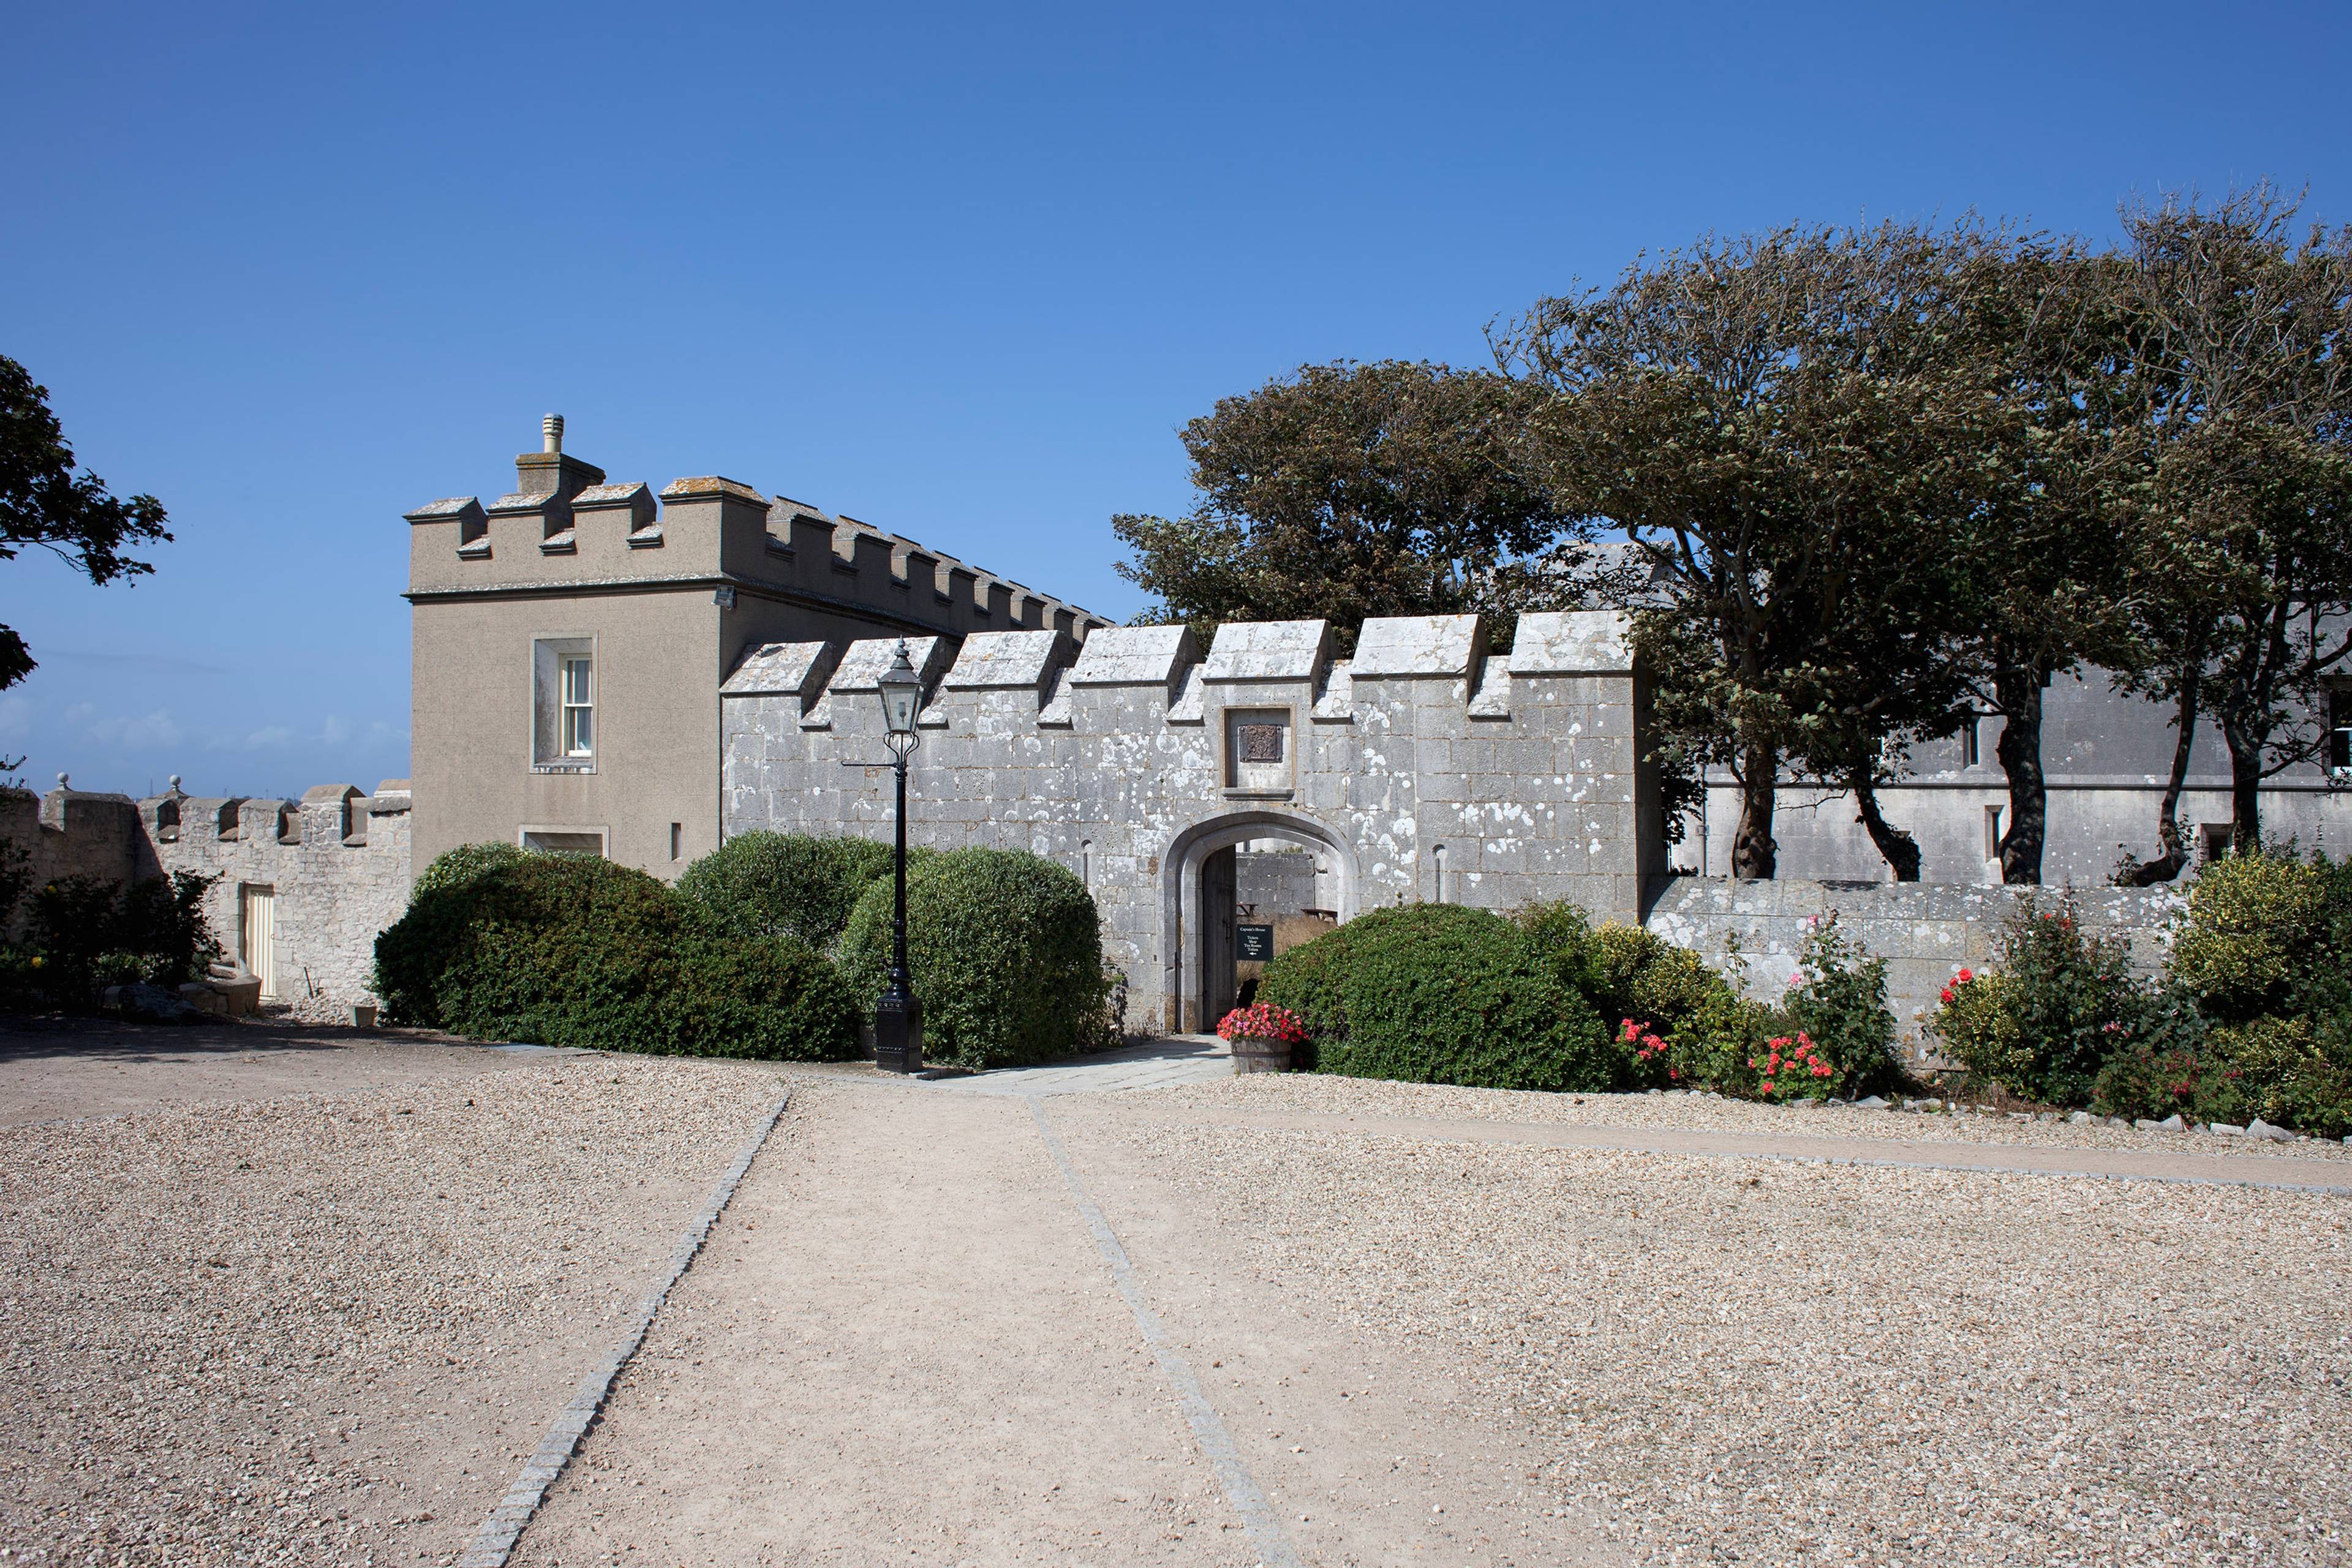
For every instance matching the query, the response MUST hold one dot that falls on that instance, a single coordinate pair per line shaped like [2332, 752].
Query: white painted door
[258, 936]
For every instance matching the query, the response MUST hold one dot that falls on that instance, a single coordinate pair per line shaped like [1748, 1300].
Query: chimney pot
[554, 426]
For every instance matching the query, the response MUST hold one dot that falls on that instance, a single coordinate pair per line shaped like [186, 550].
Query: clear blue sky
[959, 271]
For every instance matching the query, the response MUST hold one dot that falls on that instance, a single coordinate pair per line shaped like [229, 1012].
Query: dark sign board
[1254, 944]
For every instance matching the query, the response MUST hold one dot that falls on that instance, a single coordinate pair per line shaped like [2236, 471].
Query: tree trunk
[2245, 783]
[2174, 859]
[2018, 690]
[1901, 850]
[1752, 849]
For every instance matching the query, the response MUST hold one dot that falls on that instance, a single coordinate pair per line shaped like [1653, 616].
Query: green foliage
[1839, 1002]
[44, 502]
[2062, 1002]
[565, 950]
[787, 884]
[2267, 935]
[1005, 949]
[83, 935]
[1690, 1025]
[463, 864]
[1442, 994]
[1348, 491]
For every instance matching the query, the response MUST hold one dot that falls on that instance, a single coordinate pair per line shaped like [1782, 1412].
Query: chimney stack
[548, 471]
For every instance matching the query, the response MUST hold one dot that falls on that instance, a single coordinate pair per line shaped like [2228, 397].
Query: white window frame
[551, 751]
[576, 707]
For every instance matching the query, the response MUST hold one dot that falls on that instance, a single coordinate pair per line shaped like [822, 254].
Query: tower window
[579, 706]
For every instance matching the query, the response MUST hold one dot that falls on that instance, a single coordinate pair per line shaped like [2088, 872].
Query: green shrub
[788, 884]
[565, 950]
[1006, 953]
[1442, 994]
[463, 864]
[1629, 976]
[2267, 935]
[1839, 1004]
[83, 935]
[2060, 1006]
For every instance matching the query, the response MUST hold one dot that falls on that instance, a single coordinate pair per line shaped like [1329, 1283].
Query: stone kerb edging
[494, 1542]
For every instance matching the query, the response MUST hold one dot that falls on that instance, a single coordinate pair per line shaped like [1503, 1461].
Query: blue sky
[957, 271]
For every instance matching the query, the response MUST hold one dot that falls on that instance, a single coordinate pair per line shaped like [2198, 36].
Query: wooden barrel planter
[1254, 1054]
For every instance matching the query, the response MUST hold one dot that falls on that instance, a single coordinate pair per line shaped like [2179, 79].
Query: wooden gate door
[1217, 987]
[257, 935]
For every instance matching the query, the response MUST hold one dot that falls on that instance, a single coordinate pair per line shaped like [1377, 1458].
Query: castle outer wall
[1427, 767]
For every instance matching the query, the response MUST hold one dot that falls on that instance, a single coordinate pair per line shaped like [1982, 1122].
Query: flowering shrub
[1792, 1068]
[1651, 1055]
[1263, 1021]
[2061, 1005]
[1836, 1005]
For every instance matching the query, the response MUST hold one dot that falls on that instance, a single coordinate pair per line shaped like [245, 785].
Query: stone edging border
[495, 1542]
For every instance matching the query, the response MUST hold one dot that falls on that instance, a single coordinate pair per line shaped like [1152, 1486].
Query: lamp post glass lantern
[898, 1017]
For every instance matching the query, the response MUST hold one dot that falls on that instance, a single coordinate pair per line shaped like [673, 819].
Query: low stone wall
[1925, 931]
[336, 864]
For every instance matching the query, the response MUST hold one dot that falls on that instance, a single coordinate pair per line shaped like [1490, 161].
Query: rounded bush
[1629, 975]
[2264, 931]
[564, 950]
[463, 864]
[787, 884]
[1007, 953]
[1441, 993]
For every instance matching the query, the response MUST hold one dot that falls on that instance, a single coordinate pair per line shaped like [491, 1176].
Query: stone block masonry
[1426, 768]
[332, 868]
[1926, 932]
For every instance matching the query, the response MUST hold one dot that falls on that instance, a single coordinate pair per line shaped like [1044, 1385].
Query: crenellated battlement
[564, 529]
[1428, 766]
[334, 866]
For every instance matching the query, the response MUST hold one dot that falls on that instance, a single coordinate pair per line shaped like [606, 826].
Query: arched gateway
[1137, 762]
[1196, 907]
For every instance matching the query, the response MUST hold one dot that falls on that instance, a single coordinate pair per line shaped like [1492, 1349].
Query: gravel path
[1373, 1097]
[323, 1329]
[1771, 1363]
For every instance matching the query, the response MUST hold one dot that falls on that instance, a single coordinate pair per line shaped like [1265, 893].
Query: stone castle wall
[1426, 767]
[1926, 932]
[337, 862]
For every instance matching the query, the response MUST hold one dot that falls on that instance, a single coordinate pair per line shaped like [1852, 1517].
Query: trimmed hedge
[565, 950]
[788, 884]
[1441, 993]
[1006, 953]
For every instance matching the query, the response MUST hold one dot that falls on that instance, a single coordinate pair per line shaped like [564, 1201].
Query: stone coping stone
[453, 506]
[1135, 656]
[610, 495]
[331, 795]
[707, 487]
[996, 660]
[777, 667]
[1419, 645]
[1269, 651]
[1573, 642]
[862, 666]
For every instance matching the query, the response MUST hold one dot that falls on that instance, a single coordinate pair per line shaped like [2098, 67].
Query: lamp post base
[898, 1033]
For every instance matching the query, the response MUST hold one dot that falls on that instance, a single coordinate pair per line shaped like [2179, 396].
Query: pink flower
[1964, 976]
[1796, 980]
[1767, 1086]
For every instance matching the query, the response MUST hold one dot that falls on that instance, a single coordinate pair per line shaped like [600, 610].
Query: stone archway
[1183, 928]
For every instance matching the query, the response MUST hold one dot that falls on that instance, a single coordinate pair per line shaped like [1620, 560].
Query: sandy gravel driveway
[319, 1312]
[296, 1297]
[1436, 1332]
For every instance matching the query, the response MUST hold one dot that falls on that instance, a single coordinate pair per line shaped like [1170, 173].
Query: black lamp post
[898, 1017]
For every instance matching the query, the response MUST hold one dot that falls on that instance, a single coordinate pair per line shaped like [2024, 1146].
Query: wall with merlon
[338, 861]
[1125, 762]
